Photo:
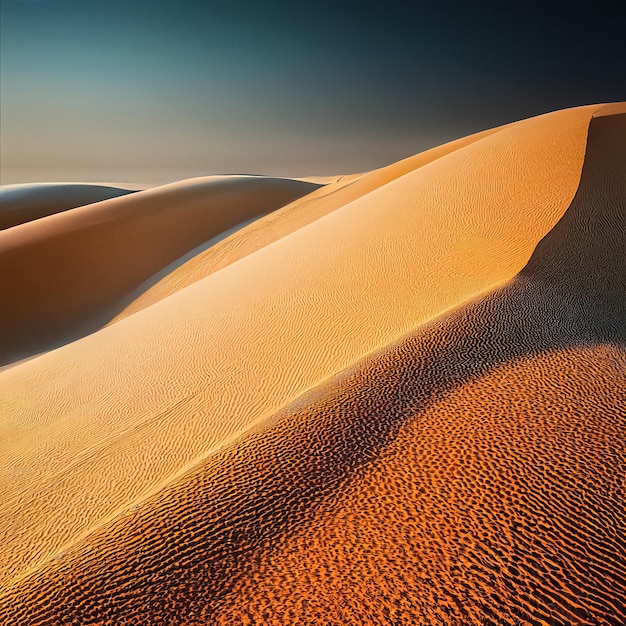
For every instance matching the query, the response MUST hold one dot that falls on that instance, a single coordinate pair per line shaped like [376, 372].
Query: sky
[152, 91]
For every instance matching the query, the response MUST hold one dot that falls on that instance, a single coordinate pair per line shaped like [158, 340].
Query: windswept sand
[337, 195]
[471, 473]
[65, 275]
[338, 192]
[151, 394]
[24, 203]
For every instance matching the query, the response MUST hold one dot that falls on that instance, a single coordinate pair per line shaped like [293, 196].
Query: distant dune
[396, 399]
[24, 203]
[103, 251]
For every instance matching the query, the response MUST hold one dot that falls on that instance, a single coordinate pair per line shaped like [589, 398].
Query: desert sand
[104, 250]
[396, 399]
[24, 203]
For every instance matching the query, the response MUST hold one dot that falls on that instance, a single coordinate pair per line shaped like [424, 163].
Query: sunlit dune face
[242, 343]
[404, 410]
[287, 220]
[423, 486]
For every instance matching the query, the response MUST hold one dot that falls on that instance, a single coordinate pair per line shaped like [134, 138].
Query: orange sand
[25, 203]
[102, 251]
[336, 194]
[272, 325]
[418, 486]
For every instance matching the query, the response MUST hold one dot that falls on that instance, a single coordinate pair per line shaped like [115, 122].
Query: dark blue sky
[158, 90]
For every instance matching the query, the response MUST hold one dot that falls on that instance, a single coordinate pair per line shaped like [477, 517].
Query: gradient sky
[153, 91]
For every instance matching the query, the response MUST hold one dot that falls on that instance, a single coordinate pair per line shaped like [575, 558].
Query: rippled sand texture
[155, 392]
[471, 473]
[296, 215]
[64, 275]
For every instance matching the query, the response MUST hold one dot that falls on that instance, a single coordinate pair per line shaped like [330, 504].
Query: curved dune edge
[28, 202]
[192, 372]
[286, 220]
[471, 472]
[499, 496]
[613, 108]
[298, 214]
[104, 250]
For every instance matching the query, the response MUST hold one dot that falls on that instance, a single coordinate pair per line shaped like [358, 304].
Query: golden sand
[183, 377]
[468, 473]
[66, 274]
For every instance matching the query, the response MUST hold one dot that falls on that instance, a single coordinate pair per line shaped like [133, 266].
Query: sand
[105, 250]
[279, 457]
[337, 192]
[28, 202]
[335, 196]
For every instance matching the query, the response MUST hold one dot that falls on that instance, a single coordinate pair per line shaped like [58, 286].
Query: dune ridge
[29, 202]
[301, 212]
[280, 223]
[470, 473]
[186, 376]
[104, 250]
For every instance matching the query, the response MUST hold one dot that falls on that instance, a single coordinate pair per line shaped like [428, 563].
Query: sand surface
[254, 445]
[25, 203]
[338, 192]
[103, 251]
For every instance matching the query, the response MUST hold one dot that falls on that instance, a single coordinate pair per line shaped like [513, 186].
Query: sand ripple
[470, 473]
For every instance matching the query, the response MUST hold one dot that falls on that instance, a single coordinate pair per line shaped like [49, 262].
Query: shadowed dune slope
[154, 392]
[25, 203]
[101, 252]
[470, 474]
[589, 240]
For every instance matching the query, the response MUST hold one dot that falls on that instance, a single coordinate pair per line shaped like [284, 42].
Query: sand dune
[103, 251]
[183, 377]
[338, 192]
[468, 474]
[298, 214]
[25, 203]
[335, 196]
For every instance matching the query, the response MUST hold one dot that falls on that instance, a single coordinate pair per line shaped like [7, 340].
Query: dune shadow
[25, 203]
[184, 548]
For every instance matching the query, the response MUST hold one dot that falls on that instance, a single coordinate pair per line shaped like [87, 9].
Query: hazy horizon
[157, 91]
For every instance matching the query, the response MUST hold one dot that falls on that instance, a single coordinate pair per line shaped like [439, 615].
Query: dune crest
[191, 373]
[25, 203]
[469, 473]
[105, 250]
[333, 196]
[219, 455]
[301, 212]
[611, 109]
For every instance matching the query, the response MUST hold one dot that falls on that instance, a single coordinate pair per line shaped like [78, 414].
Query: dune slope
[471, 473]
[288, 219]
[102, 251]
[155, 392]
[25, 203]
